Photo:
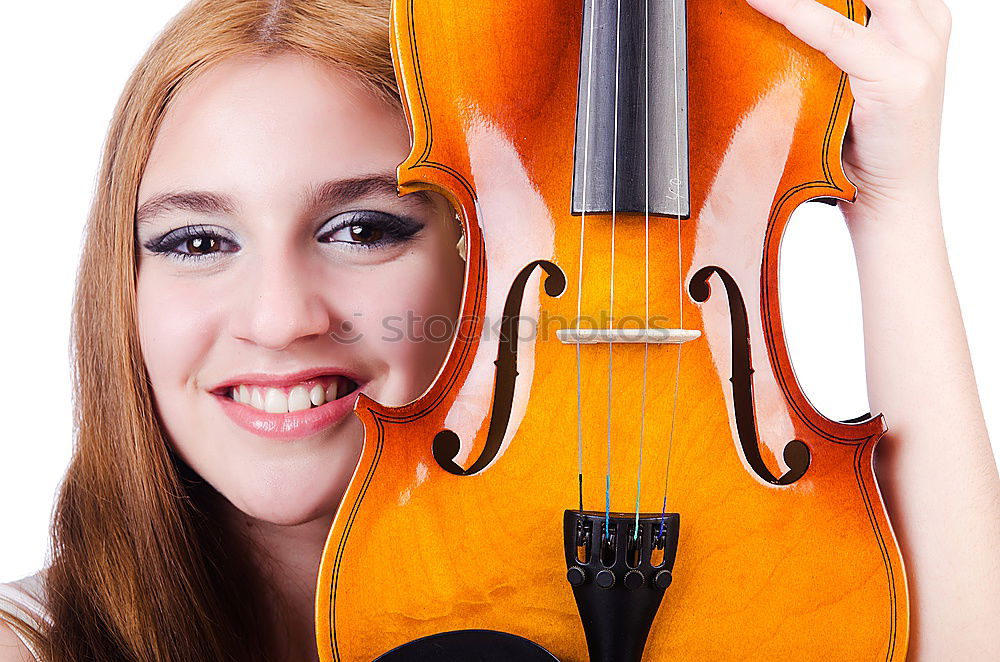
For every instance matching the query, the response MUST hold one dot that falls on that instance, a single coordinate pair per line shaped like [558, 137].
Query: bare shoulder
[11, 648]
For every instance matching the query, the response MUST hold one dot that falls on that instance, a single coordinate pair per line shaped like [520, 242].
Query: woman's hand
[935, 466]
[896, 67]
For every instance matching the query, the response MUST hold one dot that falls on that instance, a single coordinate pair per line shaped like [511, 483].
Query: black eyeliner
[168, 242]
[398, 228]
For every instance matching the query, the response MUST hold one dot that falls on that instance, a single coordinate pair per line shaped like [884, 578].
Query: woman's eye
[365, 233]
[368, 229]
[201, 245]
[192, 242]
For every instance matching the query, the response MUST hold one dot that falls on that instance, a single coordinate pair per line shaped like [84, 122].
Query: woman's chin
[287, 495]
[288, 509]
[279, 483]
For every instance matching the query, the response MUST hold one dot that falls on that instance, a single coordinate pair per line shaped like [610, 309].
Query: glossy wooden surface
[806, 571]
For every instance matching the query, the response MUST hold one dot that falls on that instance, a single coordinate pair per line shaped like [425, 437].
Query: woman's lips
[293, 425]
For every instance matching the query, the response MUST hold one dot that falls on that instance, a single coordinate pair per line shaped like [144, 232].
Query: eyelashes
[365, 230]
[368, 230]
[192, 242]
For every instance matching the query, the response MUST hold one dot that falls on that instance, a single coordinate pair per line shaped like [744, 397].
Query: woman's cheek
[178, 324]
[409, 321]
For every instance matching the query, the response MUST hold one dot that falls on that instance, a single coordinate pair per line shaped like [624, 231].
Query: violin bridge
[631, 336]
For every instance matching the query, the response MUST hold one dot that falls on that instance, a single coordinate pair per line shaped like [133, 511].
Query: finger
[938, 16]
[904, 22]
[859, 52]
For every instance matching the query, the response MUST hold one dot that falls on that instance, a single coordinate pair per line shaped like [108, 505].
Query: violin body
[454, 517]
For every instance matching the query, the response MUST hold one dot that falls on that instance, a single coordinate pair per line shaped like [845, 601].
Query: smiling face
[279, 275]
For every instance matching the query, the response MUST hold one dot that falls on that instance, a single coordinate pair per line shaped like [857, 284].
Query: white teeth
[275, 402]
[317, 395]
[298, 399]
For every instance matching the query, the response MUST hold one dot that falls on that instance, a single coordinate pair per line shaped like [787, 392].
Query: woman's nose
[281, 302]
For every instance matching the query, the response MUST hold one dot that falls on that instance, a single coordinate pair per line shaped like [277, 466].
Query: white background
[63, 73]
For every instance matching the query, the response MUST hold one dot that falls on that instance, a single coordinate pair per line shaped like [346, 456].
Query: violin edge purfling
[786, 548]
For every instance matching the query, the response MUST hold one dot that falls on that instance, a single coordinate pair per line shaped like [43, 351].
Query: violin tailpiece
[619, 573]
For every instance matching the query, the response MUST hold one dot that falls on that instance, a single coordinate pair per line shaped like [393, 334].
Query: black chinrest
[469, 646]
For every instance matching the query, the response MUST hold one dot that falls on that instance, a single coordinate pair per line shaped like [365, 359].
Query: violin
[616, 461]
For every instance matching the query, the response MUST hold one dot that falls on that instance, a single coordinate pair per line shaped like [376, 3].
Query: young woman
[244, 249]
[245, 232]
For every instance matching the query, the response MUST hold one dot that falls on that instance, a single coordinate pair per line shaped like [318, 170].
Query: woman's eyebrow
[338, 192]
[334, 192]
[197, 201]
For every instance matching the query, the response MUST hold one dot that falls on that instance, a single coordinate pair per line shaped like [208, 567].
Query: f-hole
[795, 454]
[447, 445]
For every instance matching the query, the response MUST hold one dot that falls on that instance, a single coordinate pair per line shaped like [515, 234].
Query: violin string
[611, 312]
[680, 275]
[645, 354]
[579, 282]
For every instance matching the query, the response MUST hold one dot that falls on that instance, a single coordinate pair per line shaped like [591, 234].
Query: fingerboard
[631, 148]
